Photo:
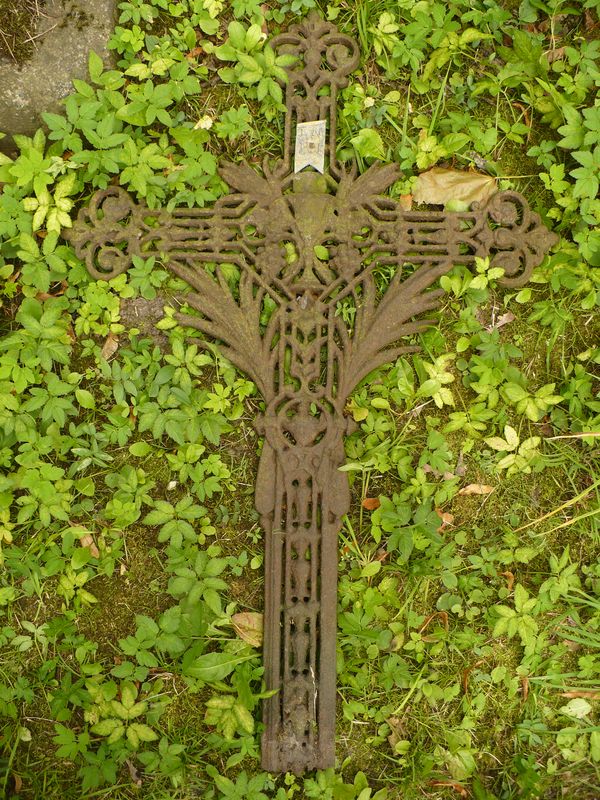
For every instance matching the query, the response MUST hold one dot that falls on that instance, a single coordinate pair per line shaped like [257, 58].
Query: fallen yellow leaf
[249, 627]
[88, 541]
[439, 186]
[476, 488]
[110, 347]
[446, 517]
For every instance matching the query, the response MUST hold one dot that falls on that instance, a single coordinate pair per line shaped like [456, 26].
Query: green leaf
[572, 132]
[140, 449]
[95, 66]
[524, 295]
[214, 666]
[504, 611]
[28, 244]
[496, 443]
[595, 745]
[514, 392]
[368, 144]
[85, 398]
[237, 34]
[244, 718]
[511, 437]
[128, 695]
[143, 732]
[163, 512]
[577, 708]
[233, 123]
[138, 70]
[80, 558]
[105, 727]
[521, 597]
[254, 35]
[498, 674]
[371, 569]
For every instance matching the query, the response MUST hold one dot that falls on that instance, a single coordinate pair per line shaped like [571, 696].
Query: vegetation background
[131, 580]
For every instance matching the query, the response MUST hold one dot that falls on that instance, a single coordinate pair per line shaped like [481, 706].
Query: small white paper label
[310, 145]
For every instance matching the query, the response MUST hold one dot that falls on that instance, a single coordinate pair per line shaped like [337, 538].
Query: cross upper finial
[325, 59]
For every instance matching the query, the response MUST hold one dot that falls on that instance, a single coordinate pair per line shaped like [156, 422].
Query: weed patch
[469, 613]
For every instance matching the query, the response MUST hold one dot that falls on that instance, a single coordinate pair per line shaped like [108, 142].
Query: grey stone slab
[70, 29]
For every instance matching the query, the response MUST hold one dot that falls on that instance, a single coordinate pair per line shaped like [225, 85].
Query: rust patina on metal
[305, 359]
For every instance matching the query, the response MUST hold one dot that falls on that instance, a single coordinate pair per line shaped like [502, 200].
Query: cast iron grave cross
[305, 243]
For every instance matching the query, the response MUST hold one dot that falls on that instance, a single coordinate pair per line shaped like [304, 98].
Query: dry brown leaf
[88, 541]
[48, 295]
[505, 319]
[446, 517]
[438, 186]
[525, 111]
[371, 503]
[467, 672]
[442, 615]
[590, 22]
[555, 55]
[458, 787]
[510, 579]
[133, 773]
[110, 347]
[476, 488]
[405, 201]
[249, 627]
[589, 694]
[546, 428]
[398, 731]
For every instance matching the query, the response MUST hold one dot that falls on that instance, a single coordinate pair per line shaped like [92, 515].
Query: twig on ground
[39, 35]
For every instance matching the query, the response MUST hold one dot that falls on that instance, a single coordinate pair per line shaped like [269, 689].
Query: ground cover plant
[131, 582]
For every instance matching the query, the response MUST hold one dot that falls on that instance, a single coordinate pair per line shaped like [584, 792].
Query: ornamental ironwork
[307, 321]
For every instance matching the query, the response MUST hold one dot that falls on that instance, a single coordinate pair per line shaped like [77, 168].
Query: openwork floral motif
[307, 247]
[109, 232]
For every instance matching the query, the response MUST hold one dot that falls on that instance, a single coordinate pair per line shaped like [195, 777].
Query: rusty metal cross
[306, 245]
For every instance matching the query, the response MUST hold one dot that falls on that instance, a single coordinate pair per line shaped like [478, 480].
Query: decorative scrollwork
[324, 59]
[109, 232]
[513, 236]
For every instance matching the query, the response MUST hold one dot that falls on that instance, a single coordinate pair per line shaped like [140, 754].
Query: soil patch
[143, 315]
[18, 28]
